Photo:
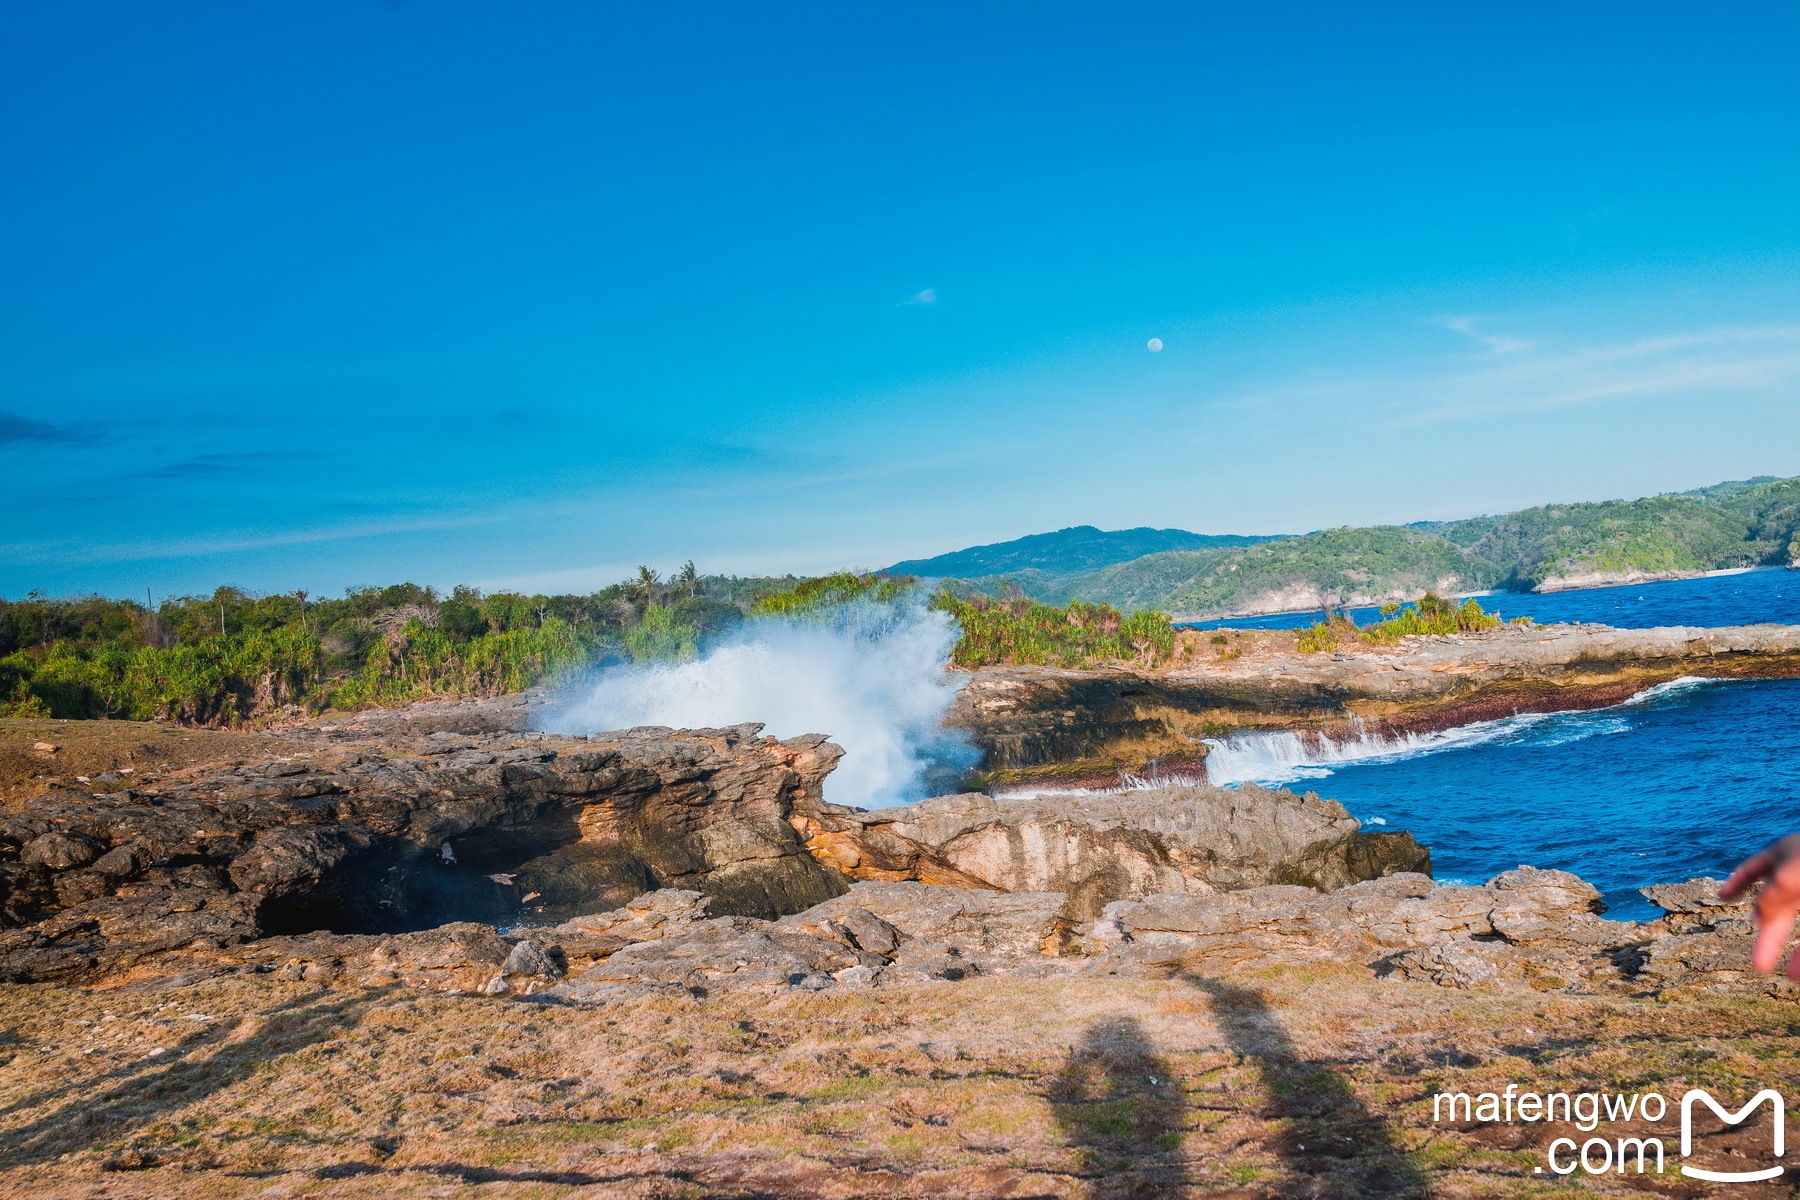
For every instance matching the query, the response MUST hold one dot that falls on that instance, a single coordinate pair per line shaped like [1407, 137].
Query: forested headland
[1747, 523]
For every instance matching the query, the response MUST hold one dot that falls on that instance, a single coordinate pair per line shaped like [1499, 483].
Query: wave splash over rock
[1286, 757]
[870, 677]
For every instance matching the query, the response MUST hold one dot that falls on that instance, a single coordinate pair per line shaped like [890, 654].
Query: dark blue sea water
[1746, 599]
[1684, 780]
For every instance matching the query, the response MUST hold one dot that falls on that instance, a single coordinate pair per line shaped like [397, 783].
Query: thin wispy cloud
[1469, 327]
[203, 467]
[67, 551]
[928, 296]
[1726, 361]
[1511, 376]
[24, 431]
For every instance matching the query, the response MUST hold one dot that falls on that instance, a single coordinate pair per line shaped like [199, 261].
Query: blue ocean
[1681, 781]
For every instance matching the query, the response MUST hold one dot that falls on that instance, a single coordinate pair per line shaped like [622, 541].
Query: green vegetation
[1328, 569]
[231, 657]
[223, 658]
[1730, 525]
[1020, 630]
[1430, 614]
[661, 636]
[1712, 529]
[1326, 635]
[812, 596]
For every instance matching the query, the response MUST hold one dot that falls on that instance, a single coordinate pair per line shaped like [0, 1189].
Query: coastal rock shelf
[450, 828]
[1100, 847]
[1525, 930]
[1092, 727]
[437, 838]
[676, 862]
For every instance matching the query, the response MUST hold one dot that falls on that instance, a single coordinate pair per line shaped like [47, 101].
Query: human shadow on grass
[1328, 1139]
[1120, 1108]
[113, 1106]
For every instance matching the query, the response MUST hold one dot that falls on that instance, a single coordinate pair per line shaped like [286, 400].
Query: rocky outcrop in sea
[1094, 727]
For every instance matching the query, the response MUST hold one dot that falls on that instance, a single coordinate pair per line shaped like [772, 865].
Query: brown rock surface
[391, 863]
[1098, 847]
[1013, 925]
[96, 884]
[725, 951]
[1093, 726]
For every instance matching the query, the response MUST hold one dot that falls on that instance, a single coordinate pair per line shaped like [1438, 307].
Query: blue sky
[330, 293]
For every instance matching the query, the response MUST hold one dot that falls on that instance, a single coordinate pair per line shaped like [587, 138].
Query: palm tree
[646, 585]
[689, 579]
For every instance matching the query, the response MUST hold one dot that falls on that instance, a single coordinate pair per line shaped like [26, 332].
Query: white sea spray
[869, 676]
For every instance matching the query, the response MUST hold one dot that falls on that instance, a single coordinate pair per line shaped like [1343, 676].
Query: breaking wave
[1290, 757]
[870, 677]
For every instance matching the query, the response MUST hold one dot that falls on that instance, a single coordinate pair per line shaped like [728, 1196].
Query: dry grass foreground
[1298, 1082]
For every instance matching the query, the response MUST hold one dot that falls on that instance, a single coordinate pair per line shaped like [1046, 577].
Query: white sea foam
[1290, 757]
[1277, 758]
[871, 677]
[1674, 687]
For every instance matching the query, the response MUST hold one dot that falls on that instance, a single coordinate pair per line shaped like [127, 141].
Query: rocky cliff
[495, 828]
[1525, 930]
[178, 1023]
[1093, 726]
[682, 859]
[1097, 848]
[388, 829]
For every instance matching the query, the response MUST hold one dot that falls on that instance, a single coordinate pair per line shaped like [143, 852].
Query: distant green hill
[1066, 552]
[1728, 525]
[1741, 524]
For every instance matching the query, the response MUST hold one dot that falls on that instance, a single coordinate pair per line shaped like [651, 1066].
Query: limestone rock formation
[1524, 930]
[1090, 727]
[647, 861]
[985, 923]
[1375, 922]
[501, 828]
[726, 951]
[1099, 847]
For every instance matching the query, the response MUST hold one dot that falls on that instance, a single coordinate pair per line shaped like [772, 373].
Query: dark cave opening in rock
[534, 874]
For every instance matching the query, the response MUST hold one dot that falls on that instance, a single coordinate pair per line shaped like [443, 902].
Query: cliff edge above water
[1091, 727]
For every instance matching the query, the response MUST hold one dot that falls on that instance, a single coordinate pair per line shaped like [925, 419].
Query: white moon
[1154, 345]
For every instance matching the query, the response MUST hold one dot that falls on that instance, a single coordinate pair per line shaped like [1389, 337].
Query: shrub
[1431, 613]
[1317, 639]
[705, 615]
[1022, 631]
[661, 637]
[811, 596]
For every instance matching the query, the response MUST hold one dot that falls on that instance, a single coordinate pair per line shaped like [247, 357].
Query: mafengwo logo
[1636, 1153]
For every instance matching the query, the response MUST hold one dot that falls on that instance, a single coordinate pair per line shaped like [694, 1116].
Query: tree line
[231, 656]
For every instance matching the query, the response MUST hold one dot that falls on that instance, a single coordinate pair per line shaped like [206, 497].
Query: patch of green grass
[854, 1088]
